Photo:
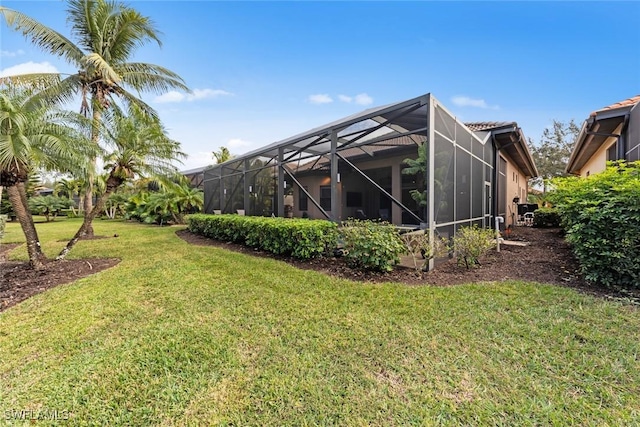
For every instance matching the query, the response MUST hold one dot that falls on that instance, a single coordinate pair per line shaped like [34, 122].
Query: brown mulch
[19, 282]
[547, 258]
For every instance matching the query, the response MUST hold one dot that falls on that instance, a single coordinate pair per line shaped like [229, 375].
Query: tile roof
[626, 103]
[479, 126]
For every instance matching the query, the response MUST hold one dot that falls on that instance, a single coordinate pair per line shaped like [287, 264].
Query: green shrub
[601, 216]
[470, 243]
[299, 238]
[546, 217]
[49, 206]
[371, 245]
[69, 213]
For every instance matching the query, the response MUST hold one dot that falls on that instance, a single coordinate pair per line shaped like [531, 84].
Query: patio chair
[528, 219]
[360, 214]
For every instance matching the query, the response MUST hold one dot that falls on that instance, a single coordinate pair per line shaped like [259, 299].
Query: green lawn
[184, 335]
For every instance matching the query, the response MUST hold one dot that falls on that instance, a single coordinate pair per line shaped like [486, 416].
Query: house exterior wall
[598, 162]
[313, 184]
[516, 186]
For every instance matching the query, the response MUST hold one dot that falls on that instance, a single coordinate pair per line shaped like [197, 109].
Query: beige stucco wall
[517, 186]
[598, 162]
[313, 184]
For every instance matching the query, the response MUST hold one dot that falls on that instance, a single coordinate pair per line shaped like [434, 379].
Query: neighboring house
[610, 133]
[370, 165]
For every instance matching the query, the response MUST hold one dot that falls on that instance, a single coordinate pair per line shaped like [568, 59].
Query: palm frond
[42, 36]
[37, 81]
[101, 70]
[149, 77]
[129, 31]
[58, 92]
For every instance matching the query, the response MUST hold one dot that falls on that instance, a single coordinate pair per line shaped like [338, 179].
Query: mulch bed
[547, 259]
[19, 282]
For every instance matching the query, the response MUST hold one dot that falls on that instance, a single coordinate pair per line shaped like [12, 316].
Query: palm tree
[140, 147]
[29, 137]
[68, 188]
[222, 155]
[107, 34]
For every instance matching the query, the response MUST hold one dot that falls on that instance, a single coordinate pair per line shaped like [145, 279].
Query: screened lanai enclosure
[411, 163]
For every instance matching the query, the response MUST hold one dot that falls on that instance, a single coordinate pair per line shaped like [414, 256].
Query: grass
[183, 335]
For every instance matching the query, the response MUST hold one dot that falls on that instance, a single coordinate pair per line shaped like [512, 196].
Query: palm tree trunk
[18, 198]
[88, 201]
[88, 195]
[112, 184]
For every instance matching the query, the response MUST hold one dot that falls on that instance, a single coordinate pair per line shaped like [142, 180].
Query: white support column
[431, 179]
[335, 207]
[247, 187]
[280, 189]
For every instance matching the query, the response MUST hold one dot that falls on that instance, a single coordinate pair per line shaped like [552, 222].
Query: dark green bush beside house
[299, 238]
[601, 215]
[372, 245]
[546, 217]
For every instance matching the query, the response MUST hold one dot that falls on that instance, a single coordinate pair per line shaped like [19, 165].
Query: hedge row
[299, 238]
[601, 215]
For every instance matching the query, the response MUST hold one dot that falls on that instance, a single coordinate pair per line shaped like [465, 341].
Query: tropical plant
[222, 155]
[49, 206]
[107, 34]
[170, 203]
[140, 147]
[31, 136]
[418, 168]
[115, 204]
[69, 188]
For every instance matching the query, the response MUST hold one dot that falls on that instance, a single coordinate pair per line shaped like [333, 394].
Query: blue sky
[262, 71]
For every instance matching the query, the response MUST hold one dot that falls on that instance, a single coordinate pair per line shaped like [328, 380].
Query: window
[325, 197]
[303, 201]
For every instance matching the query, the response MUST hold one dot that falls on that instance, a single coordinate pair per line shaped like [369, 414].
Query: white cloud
[11, 54]
[28, 68]
[196, 95]
[360, 99]
[207, 94]
[321, 98]
[465, 101]
[171, 96]
[363, 99]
